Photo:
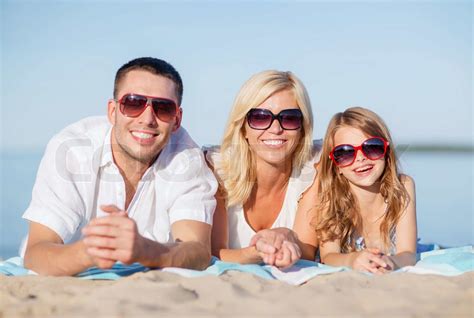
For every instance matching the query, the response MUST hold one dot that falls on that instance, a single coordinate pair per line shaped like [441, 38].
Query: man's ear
[179, 117]
[111, 109]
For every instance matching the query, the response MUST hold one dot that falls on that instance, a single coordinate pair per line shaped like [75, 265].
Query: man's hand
[277, 246]
[90, 261]
[113, 238]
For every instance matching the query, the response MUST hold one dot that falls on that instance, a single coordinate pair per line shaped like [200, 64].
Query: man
[133, 188]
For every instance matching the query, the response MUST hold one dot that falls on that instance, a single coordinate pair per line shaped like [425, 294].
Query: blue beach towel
[14, 267]
[299, 273]
[448, 262]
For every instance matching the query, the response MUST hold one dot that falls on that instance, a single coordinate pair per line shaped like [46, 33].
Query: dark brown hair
[154, 66]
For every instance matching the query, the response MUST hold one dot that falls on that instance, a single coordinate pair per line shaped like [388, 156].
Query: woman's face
[363, 172]
[275, 146]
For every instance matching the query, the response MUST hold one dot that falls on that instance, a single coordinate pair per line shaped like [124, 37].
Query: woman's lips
[274, 143]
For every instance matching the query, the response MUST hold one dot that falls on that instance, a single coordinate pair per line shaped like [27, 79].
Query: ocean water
[444, 186]
[444, 195]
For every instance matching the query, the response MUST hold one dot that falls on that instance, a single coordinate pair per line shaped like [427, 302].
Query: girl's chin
[365, 184]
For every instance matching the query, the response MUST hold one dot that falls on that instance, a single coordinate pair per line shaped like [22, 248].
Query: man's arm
[46, 254]
[116, 237]
[58, 206]
[192, 247]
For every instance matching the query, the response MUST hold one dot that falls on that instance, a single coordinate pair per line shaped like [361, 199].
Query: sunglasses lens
[291, 119]
[259, 118]
[373, 148]
[343, 155]
[164, 109]
[133, 105]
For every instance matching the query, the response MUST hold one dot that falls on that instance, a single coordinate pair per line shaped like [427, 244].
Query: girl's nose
[360, 155]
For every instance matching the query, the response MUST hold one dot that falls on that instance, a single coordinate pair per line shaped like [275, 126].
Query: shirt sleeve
[213, 158]
[192, 188]
[56, 201]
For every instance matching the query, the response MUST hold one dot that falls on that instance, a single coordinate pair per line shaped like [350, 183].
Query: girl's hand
[390, 264]
[368, 260]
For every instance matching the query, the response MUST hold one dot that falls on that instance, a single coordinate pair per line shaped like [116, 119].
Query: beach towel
[448, 262]
[299, 273]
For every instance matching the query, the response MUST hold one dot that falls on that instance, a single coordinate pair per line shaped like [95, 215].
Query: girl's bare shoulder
[407, 181]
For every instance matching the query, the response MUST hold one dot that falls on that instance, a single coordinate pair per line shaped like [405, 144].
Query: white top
[77, 174]
[240, 232]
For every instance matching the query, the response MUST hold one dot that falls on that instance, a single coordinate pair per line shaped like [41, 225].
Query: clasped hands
[278, 247]
[112, 238]
[372, 260]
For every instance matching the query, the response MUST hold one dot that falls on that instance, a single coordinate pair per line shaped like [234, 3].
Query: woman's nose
[275, 127]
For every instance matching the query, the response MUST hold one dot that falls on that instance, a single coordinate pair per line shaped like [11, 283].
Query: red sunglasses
[373, 148]
[133, 105]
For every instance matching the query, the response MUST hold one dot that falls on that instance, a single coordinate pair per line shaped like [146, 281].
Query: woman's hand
[278, 247]
[288, 255]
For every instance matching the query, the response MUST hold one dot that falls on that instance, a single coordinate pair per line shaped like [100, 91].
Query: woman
[265, 163]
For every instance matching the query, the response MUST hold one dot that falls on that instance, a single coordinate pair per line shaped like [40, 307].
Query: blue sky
[410, 61]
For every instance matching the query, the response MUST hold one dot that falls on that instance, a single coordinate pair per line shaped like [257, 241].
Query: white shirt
[240, 232]
[77, 174]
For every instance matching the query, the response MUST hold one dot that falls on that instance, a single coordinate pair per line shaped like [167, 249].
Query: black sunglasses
[261, 119]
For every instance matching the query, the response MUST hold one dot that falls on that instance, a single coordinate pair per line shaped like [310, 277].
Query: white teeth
[141, 135]
[273, 142]
[362, 169]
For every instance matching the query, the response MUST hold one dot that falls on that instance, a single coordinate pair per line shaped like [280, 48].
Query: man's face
[141, 139]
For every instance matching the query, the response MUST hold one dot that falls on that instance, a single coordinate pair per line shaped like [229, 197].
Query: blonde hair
[339, 215]
[237, 167]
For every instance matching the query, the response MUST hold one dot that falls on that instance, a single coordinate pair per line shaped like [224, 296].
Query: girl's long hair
[237, 168]
[338, 216]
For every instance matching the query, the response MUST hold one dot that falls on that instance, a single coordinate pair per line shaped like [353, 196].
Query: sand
[236, 294]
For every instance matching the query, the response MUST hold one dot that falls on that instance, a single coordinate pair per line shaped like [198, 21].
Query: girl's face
[363, 172]
[275, 146]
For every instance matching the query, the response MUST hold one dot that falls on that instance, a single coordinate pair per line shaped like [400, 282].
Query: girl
[366, 209]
